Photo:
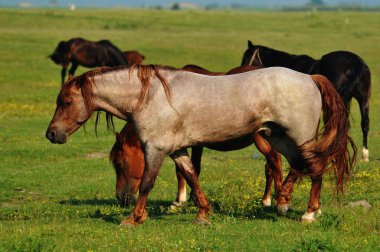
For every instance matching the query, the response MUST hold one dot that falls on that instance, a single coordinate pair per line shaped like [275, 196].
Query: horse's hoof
[318, 213]
[201, 221]
[282, 209]
[311, 217]
[266, 202]
[175, 207]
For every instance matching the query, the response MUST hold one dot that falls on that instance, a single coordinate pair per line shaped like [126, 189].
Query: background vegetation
[61, 197]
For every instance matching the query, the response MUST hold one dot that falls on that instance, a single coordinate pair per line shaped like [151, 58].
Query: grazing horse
[79, 51]
[280, 104]
[347, 72]
[127, 157]
[133, 57]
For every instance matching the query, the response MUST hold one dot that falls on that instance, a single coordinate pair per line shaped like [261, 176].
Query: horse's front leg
[182, 159]
[153, 161]
[284, 195]
[273, 168]
[73, 68]
[313, 210]
[63, 73]
[181, 192]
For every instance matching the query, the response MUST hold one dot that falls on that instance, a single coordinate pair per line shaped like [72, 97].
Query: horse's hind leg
[284, 195]
[182, 159]
[364, 110]
[153, 161]
[313, 210]
[273, 169]
[196, 156]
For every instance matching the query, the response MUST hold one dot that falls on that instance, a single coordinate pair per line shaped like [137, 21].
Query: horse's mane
[144, 74]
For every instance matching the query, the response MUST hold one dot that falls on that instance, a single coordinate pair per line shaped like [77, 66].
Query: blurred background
[201, 4]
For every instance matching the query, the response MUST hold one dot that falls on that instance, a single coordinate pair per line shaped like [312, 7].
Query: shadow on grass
[113, 213]
[110, 211]
[92, 202]
[258, 213]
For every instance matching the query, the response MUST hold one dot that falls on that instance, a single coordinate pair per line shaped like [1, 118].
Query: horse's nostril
[50, 135]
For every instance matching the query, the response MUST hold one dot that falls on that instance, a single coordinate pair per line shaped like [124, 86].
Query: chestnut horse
[79, 51]
[348, 73]
[127, 157]
[280, 104]
[133, 57]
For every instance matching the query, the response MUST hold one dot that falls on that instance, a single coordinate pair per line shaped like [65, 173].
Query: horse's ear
[70, 77]
[250, 45]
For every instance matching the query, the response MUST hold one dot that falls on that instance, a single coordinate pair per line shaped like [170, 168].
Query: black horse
[346, 71]
[79, 51]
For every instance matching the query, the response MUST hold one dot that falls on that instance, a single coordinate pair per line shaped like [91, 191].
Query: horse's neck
[116, 92]
[283, 59]
[276, 58]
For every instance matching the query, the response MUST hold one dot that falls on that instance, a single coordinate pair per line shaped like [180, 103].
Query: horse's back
[210, 108]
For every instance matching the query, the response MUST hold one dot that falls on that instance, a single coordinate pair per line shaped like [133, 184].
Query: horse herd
[273, 100]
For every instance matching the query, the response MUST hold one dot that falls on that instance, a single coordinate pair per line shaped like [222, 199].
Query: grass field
[61, 197]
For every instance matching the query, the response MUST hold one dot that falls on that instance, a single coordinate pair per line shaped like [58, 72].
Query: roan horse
[282, 105]
[127, 157]
[79, 51]
[347, 72]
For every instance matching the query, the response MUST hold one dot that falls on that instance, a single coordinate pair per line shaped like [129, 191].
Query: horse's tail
[331, 149]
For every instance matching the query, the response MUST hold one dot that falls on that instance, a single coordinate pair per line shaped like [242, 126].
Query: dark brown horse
[133, 57]
[127, 157]
[79, 51]
[348, 73]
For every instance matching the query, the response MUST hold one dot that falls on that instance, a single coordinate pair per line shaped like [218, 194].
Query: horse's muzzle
[56, 138]
[125, 200]
[55, 58]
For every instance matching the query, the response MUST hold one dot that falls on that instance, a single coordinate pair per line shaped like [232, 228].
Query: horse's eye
[67, 101]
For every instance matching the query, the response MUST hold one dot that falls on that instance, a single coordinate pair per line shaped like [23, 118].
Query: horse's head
[58, 56]
[73, 109]
[252, 56]
[127, 158]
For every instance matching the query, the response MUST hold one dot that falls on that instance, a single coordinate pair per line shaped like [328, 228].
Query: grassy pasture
[61, 197]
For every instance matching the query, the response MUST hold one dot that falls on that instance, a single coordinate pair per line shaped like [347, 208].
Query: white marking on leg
[267, 202]
[310, 217]
[365, 154]
[182, 195]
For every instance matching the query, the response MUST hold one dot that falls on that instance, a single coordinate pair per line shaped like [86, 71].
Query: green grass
[61, 197]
